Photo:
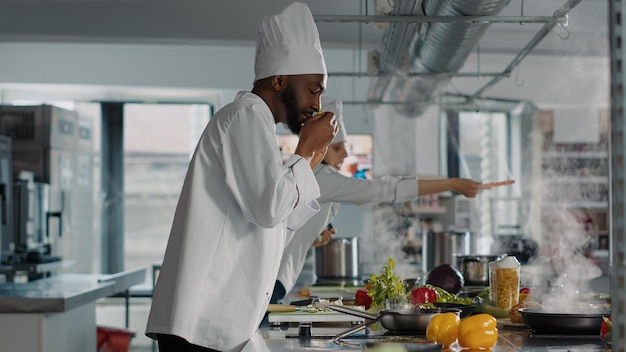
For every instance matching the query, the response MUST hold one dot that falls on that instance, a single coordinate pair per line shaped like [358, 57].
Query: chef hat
[336, 107]
[288, 44]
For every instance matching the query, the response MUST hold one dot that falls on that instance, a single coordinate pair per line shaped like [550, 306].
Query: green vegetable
[492, 310]
[444, 296]
[386, 286]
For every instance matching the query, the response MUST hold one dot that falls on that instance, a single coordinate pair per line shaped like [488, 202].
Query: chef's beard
[293, 115]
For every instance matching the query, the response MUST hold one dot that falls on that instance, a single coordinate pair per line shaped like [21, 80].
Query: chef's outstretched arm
[464, 186]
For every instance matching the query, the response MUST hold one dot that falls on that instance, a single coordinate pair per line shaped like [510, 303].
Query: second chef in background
[336, 187]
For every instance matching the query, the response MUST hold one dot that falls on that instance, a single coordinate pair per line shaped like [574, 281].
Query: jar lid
[508, 261]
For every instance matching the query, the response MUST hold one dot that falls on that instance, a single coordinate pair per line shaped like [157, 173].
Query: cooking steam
[562, 271]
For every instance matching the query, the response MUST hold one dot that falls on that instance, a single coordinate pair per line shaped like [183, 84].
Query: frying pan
[398, 321]
[545, 323]
[466, 309]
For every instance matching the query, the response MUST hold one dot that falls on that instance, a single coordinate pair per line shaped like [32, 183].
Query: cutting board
[318, 317]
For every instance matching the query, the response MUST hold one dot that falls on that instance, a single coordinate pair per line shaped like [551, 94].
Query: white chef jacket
[237, 203]
[335, 188]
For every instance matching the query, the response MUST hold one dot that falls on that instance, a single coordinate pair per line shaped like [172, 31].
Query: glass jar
[504, 279]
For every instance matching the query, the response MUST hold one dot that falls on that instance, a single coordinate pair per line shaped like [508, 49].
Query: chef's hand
[316, 134]
[324, 237]
[466, 187]
[317, 158]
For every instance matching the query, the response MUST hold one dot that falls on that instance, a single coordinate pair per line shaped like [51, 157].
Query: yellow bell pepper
[478, 332]
[443, 328]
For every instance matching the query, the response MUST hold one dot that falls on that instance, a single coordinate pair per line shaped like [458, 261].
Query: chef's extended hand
[316, 134]
[466, 187]
[324, 237]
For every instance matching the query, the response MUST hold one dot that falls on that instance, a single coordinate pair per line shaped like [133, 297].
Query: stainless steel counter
[64, 292]
[509, 340]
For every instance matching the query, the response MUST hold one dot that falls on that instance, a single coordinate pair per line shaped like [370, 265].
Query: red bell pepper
[420, 295]
[362, 298]
[606, 327]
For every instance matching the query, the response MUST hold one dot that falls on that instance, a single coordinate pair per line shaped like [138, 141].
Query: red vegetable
[606, 326]
[421, 295]
[362, 298]
[524, 290]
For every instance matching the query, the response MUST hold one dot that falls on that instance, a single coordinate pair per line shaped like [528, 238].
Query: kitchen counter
[57, 313]
[510, 339]
[55, 294]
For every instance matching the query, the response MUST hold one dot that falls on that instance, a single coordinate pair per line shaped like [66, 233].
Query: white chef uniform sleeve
[335, 187]
[266, 190]
[308, 192]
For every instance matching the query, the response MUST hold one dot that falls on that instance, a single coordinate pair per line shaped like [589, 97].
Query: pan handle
[350, 311]
[351, 331]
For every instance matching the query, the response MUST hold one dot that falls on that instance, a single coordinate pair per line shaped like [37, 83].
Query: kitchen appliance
[338, 261]
[444, 247]
[6, 194]
[523, 249]
[31, 216]
[55, 145]
[475, 268]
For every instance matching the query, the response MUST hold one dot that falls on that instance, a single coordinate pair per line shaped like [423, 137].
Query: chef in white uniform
[336, 187]
[239, 201]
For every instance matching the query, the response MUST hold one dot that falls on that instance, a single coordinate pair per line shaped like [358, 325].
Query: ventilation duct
[438, 48]
[397, 38]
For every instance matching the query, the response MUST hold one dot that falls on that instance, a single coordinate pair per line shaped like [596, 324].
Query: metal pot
[442, 248]
[475, 268]
[338, 259]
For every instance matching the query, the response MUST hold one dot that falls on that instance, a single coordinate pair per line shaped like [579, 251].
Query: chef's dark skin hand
[318, 156]
[315, 136]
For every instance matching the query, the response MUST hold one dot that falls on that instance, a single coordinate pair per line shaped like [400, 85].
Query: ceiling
[234, 22]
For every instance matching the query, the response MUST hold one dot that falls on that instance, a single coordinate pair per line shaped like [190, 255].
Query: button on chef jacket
[237, 205]
[334, 188]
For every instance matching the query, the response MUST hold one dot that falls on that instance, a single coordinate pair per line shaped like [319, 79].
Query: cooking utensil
[545, 323]
[466, 309]
[399, 321]
[475, 268]
[338, 260]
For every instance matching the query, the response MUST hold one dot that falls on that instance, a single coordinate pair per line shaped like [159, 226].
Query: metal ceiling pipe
[441, 47]
[396, 40]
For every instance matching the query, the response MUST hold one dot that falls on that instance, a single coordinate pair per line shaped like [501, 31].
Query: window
[482, 146]
[159, 140]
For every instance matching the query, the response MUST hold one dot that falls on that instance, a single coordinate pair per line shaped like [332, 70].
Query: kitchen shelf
[576, 155]
[573, 176]
[582, 205]
[578, 179]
